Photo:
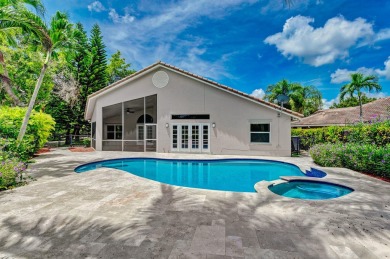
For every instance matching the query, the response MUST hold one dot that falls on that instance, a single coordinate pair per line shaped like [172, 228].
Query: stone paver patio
[108, 213]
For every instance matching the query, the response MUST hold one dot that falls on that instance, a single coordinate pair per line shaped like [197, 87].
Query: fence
[70, 140]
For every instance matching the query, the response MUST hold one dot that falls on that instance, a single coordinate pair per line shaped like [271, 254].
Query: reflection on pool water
[239, 175]
[310, 190]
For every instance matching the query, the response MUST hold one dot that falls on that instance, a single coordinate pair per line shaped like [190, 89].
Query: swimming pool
[310, 190]
[238, 175]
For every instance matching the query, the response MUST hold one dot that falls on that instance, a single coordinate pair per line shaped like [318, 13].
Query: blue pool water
[310, 190]
[227, 174]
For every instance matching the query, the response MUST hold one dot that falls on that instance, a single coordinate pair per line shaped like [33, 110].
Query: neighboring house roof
[378, 109]
[92, 98]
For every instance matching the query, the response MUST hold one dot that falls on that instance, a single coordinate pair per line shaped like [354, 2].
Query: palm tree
[282, 87]
[306, 99]
[51, 39]
[8, 36]
[303, 99]
[359, 82]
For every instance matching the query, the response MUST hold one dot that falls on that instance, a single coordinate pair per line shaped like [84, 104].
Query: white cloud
[386, 71]
[323, 45]
[376, 95]
[116, 18]
[343, 75]
[327, 103]
[275, 6]
[159, 36]
[258, 93]
[96, 7]
[383, 34]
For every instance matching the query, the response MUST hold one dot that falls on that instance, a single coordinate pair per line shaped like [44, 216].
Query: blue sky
[248, 44]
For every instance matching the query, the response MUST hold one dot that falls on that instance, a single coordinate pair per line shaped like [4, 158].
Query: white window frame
[115, 125]
[250, 132]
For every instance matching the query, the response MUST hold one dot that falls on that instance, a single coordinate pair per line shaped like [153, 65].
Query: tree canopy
[352, 102]
[302, 99]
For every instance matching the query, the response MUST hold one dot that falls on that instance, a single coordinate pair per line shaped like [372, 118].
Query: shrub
[377, 133]
[87, 142]
[12, 172]
[366, 158]
[39, 129]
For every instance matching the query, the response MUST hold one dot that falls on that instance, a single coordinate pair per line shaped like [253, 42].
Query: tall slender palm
[52, 39]
[8, 37]
[357, 84]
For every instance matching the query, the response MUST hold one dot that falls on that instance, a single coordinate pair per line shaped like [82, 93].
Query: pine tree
[98, 69]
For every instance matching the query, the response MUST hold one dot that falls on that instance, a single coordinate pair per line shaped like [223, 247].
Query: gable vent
[160, 79]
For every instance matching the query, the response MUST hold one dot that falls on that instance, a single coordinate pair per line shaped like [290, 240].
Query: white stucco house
[162, 108]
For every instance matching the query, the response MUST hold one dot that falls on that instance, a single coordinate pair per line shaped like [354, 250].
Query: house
[162, 108]
[376, 110]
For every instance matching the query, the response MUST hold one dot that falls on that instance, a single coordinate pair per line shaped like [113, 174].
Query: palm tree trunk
[6, 83]
[361, 108]
[33, 98]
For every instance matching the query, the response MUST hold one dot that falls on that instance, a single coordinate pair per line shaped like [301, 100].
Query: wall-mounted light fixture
[166, 125]
[213, 125]
[279, 114]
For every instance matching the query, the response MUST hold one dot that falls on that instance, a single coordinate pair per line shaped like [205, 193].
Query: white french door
[191, 137]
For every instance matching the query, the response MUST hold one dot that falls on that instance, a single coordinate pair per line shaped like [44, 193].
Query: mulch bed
[43, 150]
[81, 149]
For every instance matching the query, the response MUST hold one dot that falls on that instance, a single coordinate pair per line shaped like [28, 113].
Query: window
[114, 131]
[260, 133]
[190, 116]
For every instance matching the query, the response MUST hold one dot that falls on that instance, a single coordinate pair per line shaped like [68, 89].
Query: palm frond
[28, 22]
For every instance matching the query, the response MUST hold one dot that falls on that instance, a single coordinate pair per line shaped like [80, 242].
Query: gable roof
[92, 97]
[341, 116]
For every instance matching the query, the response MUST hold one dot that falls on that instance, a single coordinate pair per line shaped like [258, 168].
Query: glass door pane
[195, 137]
[175, 135]
[184, 137]
[205, 138]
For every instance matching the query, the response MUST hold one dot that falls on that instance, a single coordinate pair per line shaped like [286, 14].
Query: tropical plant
[52, 39]
[39, 129]
[302, 99]
[8, 36]
[357, 84]
[118, 68]
[305, 99]
[352, 102]
[24, 65]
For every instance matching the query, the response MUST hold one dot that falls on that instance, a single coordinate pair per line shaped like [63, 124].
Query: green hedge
[376, 133]
[39, 129]
[368, 158]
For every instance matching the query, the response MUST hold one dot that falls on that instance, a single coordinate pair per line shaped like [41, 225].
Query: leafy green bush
[38, 130]
[377, 133]
[12, 172]
[87, 142]
[368, 158]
